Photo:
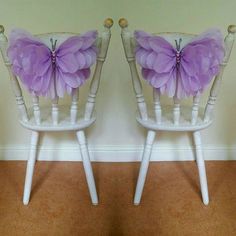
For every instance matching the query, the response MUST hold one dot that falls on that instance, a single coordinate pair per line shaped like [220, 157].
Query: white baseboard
[117, 153]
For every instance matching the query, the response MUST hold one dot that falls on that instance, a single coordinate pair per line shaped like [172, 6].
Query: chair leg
[30, 166]
[87, 166]
[201, 166]
[144, 166]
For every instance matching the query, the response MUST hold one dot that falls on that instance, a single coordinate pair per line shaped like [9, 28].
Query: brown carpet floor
[171, 203]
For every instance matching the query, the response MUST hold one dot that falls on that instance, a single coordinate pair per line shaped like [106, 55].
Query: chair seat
[167, 122]
[64, 123]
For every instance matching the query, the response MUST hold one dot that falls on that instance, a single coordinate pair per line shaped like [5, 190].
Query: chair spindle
[157, 105]
[176, 111]
[195, 109]
[74, 106]
[55, 111]
[36, 109]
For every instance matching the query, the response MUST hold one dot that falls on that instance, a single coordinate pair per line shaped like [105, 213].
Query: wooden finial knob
[232, 29]
[1, 29]
[108, 23]
[123, 23]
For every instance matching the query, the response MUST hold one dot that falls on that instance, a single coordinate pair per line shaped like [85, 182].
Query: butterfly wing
[157, 59]
[200, 62]
[74, 57]
[31, 62]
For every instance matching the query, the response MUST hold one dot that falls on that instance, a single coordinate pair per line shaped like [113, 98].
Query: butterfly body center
[178, 52]
[178, 57]
[53, 51]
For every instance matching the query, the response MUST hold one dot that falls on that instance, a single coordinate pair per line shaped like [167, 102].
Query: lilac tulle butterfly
[52, 71]
[180, 71]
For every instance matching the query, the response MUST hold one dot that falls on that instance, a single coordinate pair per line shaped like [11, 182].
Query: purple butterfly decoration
[52, 71]
[180, 71]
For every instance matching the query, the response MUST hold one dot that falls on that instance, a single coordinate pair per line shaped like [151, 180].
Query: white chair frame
[198, 118]
[38, 120]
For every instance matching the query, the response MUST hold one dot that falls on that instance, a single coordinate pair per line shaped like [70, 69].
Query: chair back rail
[129, 48]
[102, 44]
[14, 82]
[229, 41]
[128, 44]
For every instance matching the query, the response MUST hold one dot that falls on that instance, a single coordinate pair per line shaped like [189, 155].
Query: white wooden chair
[56, 118]
[175, 118]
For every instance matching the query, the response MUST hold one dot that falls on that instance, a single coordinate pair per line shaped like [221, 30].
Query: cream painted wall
[116, 128]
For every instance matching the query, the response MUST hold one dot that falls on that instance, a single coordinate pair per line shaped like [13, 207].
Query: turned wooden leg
[144, 166]
[87, 166]
[30, 166]
[201, 166]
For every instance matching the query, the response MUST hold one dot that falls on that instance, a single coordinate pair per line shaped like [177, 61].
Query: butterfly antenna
[180, 40]
[178, 44]
[53, 44]
[51, 40]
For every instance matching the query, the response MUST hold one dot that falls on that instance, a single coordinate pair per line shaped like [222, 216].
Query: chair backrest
[129, 44]
[102, 44]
